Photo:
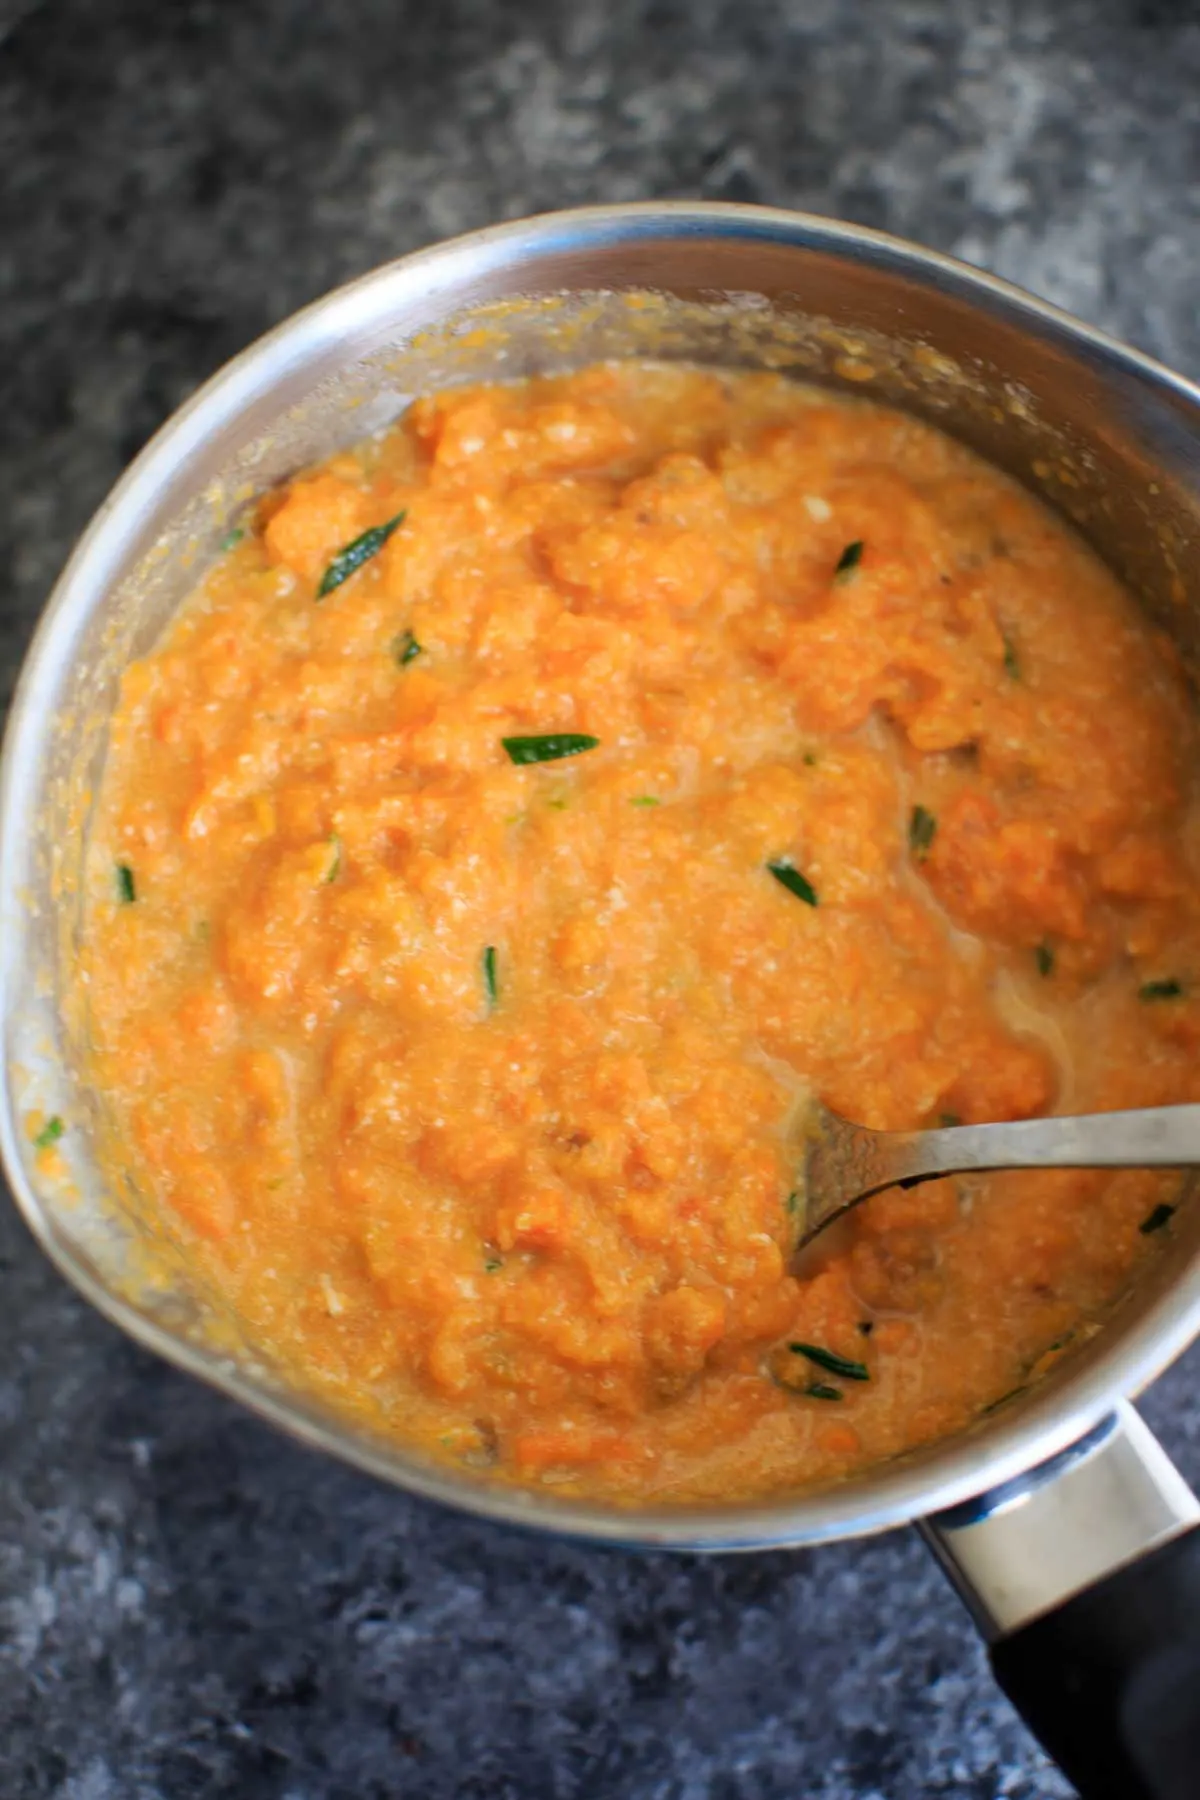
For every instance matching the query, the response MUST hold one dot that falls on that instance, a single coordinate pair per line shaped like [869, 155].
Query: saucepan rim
[889, 1494]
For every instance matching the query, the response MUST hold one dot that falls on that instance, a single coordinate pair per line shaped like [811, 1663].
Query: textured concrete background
[189, 1606]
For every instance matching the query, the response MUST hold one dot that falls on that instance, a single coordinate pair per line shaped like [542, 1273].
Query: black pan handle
[1110, 1680]
[1084, 1575]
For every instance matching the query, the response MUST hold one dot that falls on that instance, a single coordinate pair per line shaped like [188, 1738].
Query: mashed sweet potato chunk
[529, 811]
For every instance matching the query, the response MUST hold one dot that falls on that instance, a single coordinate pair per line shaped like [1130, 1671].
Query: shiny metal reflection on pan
[1071, 1536]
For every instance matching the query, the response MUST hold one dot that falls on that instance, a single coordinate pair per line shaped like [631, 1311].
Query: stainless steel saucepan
[1068, 1531]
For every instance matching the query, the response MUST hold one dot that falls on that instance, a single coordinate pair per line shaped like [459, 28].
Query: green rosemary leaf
[353, 555]
[995, 1405]
[849, 560]
[922, 829]
[832, 1363]
[794, 882]
[551, 747]
[1170, 989]
[405, 649]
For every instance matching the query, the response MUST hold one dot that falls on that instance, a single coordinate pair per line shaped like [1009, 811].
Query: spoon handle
[1147, 1137]
[847, 1163]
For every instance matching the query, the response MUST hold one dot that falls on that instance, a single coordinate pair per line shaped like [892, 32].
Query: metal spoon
[844, 1163]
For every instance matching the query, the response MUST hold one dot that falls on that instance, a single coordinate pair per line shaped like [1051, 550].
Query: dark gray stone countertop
[190, 1606]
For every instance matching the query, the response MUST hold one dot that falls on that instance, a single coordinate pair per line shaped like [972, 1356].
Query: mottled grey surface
[189, 1606]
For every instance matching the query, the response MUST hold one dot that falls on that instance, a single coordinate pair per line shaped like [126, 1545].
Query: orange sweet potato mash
[530, 810]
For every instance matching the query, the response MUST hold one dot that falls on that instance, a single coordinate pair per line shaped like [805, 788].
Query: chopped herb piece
[1169, 989]
[490, 981]
[1060, 1343]
[232, 538]
[334, 867]
[831, 1362]
[550, 748]
[792, 1203]
[353, 555]
[866, 1326]
[821, 1390]
[126, 886]
[1044, 957]
[810, 759]
[794, 882]
[948, 1121]
[922, 829]
[405, 649]
[1012, 662]
[50, 1133]
[1154, 1221]
[645, 800]
[492, 1262]
[557, 803]
[995, 1405]
[849, 560]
